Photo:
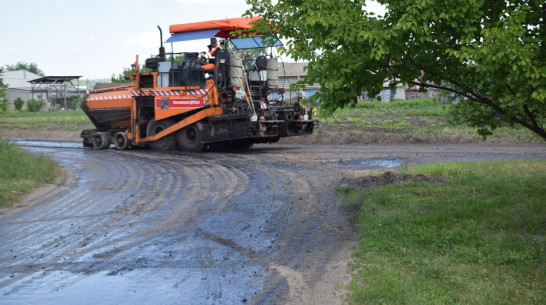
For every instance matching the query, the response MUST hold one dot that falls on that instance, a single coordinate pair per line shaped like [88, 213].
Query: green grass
[53, 120]
[424, 118]
[476, 238]
[21, 172]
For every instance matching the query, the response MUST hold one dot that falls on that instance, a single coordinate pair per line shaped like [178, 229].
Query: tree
[492, 54]
[123, 77]
[3, 93]
[30, 67]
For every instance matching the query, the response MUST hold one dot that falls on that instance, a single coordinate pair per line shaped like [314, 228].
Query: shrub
[34, 105]
[18, 103]
[75, 103]
[3, 105]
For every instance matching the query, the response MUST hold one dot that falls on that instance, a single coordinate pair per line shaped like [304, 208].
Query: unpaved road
[254, 227]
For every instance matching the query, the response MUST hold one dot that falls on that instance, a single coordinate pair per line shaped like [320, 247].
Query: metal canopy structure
[223, 27]
[254, 42]
[52, 85]
[186, 36]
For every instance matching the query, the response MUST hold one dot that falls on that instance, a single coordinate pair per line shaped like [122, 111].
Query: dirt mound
[389, 177]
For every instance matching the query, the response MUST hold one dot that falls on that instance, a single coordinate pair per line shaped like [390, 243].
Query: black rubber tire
[167, 142]
[101, 140]
[189, 137]
[87, 143]
[120, 141]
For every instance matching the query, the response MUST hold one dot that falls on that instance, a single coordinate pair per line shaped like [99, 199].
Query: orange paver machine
[193, 100]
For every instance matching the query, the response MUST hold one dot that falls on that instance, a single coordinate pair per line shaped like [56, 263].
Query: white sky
[95, 39]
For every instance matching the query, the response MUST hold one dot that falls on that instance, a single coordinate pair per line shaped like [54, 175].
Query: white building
[19, 86]
[53, 90]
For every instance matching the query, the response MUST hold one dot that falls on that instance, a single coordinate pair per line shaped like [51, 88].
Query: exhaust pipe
[161, 48]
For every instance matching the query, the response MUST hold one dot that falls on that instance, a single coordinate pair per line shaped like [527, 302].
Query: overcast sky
[95, 39]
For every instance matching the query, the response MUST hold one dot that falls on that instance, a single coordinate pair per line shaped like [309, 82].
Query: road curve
[254, 227]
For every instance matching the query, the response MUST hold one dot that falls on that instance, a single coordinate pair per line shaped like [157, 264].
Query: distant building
[290, 73]
[56, 91]
[19, 86]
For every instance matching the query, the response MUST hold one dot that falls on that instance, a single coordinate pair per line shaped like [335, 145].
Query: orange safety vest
[211, 51]
[211, 65]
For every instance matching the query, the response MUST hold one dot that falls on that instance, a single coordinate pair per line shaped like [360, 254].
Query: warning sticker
[167, 103]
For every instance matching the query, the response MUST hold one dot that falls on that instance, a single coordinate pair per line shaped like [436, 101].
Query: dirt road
[254, 227]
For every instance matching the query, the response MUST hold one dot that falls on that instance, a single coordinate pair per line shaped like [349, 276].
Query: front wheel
[189, 137]
[121, 141]
[165, 143]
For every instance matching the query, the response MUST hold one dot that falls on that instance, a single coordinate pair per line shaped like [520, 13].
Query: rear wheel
[101, 140]
[165, 143]
[120, 141]
[189, 138]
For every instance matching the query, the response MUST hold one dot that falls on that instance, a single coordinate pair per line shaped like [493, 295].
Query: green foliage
[30, 67]
[490, 53]
[18, 103]
[51, 120]
[3, 105]
[475, 238]
[34, 105]
[75, 103]
[123, 77]
[21, 171]
[421, 118]
[3, 93]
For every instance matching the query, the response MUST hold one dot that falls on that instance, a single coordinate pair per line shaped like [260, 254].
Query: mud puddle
[46, 144]
[375, 163]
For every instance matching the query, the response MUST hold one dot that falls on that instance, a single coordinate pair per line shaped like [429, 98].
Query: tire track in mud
[208, 228]
[108, 217]
[304, 229]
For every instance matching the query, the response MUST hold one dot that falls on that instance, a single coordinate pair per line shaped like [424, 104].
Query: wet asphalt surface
[254, 227]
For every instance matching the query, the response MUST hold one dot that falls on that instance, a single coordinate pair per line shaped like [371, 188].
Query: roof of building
[53, 79]
[19, 79]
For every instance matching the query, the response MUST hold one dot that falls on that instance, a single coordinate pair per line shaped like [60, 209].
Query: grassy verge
[66, 120]
[425, 118]
[21, 172]
[477, 238]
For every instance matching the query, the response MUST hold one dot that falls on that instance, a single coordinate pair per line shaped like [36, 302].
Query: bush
[3, 105]
[34, 105]
[75, 103]
[18, 103]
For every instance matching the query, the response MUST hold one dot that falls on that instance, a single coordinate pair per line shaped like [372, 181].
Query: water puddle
[388, 162]
[47, 144]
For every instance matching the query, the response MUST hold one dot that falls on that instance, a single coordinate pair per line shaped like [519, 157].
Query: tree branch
[485, 101]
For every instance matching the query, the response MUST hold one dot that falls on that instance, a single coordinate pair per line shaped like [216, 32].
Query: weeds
[52, 120]
[425, 118]
[21, 171]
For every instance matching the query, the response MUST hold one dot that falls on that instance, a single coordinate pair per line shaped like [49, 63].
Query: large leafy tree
[490, 53]
[31, 67]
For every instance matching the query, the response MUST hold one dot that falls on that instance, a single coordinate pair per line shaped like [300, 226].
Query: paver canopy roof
[224, 26]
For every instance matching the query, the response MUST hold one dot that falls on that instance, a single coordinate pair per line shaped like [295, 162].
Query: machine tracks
[207, 227]
[258, 226]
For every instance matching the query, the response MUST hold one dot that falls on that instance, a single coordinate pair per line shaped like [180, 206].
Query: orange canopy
[225, 26]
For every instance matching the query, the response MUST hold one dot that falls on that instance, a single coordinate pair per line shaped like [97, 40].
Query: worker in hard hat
[211, 54]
